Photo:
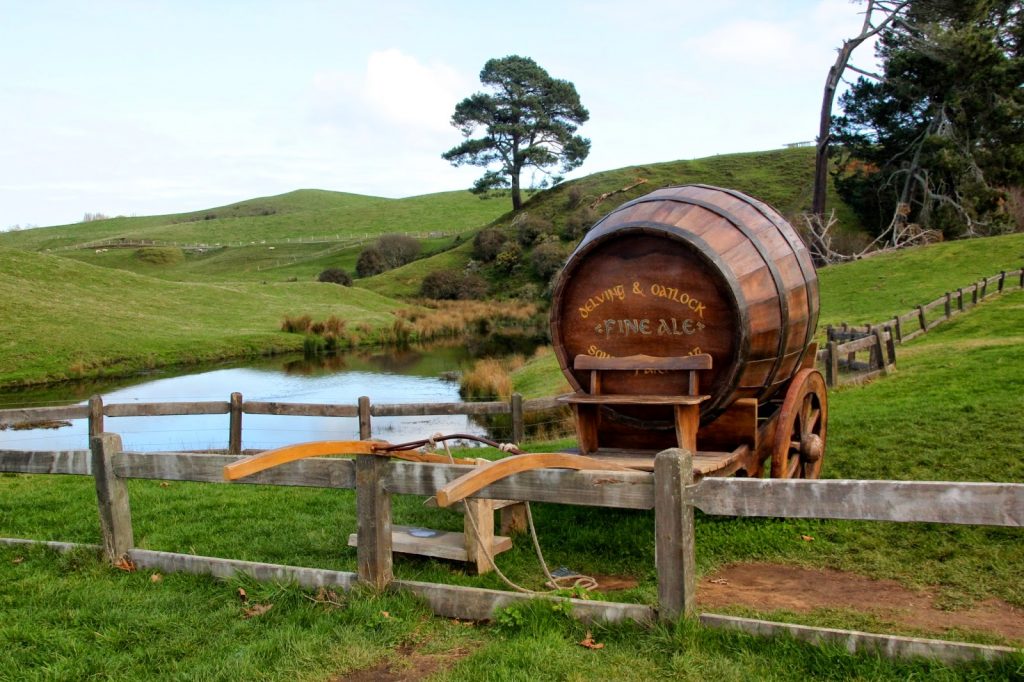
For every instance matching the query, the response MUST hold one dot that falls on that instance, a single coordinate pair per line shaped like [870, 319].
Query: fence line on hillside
[338, 238]
[839, 357]
[670, 491]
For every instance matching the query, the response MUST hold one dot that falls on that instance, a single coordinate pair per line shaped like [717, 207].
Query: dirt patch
[770, 587]
[409, 665]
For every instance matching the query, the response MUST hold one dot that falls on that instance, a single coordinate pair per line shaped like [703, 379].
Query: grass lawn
[951, 412]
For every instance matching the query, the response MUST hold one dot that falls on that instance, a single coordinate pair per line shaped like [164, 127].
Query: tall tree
[940, 136]
[877, 15]
[529, 119]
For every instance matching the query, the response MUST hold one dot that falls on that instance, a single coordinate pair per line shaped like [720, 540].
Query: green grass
[64, 319]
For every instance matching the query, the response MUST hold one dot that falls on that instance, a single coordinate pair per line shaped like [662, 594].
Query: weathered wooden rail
[879, 341]
[670, 491]
[363, 410]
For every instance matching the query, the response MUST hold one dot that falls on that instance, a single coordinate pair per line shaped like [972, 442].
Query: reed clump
[490, 378]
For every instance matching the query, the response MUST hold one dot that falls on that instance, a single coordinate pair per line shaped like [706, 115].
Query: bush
[487, 244]
[335, 276]
[449, 285]
[531, 229]
[441, 285]
[296, 325]
[472, 287]
[160, 255]
[397, 249]
[509, 257]
[370, 263]
[547, 258]
[579, 222]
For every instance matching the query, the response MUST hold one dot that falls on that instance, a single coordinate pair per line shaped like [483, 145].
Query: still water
[386, 376]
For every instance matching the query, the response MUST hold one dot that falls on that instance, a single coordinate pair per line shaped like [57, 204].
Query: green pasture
[950, 412]
[64, 319]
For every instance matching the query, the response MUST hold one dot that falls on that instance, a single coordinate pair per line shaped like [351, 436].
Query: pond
[414, 375]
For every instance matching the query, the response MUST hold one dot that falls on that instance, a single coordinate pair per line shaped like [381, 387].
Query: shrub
[509, 257]
[397, 249]
[531, 229]
[441, 285]
[160, 255]
[487, 244]
[370, 263]
[547, 258]
[296, 325]
[578, 223]
[472, 287]
[335, 276]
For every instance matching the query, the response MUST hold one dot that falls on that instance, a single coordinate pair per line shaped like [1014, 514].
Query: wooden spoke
[799, 445]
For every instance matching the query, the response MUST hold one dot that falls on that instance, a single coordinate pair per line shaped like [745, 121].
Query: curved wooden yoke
[483, 476]
[248, 466]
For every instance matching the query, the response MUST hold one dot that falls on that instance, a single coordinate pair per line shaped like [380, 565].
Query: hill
[64, 319]
[299, 234]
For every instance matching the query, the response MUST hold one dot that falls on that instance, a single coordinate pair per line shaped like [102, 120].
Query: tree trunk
[517, 199]
[835, 74]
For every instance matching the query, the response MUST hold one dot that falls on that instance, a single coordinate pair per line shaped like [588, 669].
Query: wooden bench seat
[686, 404]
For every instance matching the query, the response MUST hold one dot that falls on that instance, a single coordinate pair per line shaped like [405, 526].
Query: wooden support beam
[988, 504]
[95, 416]
[518, 423]
[235, 424]
[674, 534]
[373, 522]
[112, 497]
[365, 429]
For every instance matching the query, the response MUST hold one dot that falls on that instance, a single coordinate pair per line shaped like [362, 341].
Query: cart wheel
[800, 433]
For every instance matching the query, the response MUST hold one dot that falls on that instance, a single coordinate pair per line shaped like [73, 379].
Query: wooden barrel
[687, 270]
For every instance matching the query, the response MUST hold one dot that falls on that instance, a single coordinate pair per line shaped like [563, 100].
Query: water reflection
[414, 375]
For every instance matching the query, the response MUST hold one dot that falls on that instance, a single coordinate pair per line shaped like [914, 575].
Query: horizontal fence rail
[363, 410]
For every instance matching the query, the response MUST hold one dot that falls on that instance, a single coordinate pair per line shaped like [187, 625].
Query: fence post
[112, 497]
[974, 295]
[890, 346]
[95, 416]
[673, 534]
[832, 367]
[899, 330]
[1022, 277]
[949, 305]
[364, 418]
[235, 425]
[883, 360]
[984, 287]
[920, 316]
[1002, 280]
[518, 427]
[373, 521]
[960, 299]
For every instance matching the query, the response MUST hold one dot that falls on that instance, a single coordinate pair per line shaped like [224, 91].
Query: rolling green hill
[301, 233]
[64, 319]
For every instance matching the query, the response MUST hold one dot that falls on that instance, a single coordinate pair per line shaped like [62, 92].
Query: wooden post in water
[112, 497]
[95, 416]
[673, 534]
[364, 418]
[373, 522]
[235, 425]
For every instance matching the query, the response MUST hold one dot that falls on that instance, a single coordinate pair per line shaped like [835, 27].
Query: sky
[142, 107]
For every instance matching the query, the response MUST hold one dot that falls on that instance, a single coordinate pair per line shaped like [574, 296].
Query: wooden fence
[670, 491]
[879, 341]
[364, 410]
